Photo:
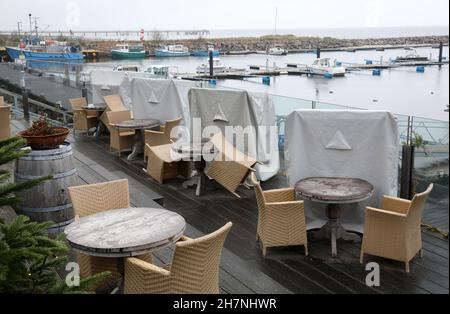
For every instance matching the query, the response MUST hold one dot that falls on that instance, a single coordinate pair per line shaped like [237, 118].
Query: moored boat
[217, 66]
[414, 56]
[172, 51]
[277, 51]
[205, 53]
[14, 53]
[325, 66]
[125, 51]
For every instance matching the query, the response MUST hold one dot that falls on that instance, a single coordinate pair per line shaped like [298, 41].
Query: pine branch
[10, 188]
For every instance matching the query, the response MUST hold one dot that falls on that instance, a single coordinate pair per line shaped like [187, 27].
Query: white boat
[159, 71]
[127, 68]
[217, 66]
[326, 66]
[413, 56]
[277, 51]
[172, 51]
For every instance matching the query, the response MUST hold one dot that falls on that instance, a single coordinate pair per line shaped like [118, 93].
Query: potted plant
[42, 135]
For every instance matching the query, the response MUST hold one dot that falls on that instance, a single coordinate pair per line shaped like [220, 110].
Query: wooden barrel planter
[50, 200]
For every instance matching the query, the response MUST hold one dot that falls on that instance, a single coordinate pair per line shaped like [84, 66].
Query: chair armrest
[184, 238]
[280, 195]
[155, 138]
[380, 213]
[395, 204]
[142, 277]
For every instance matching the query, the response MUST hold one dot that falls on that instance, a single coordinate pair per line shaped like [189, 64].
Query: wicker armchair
[119, 139]
[83, 120]
[113, 103]
[5, 122]
[163, 137]
[194, 269]
[394, 231]
[281, 218]
[95, 198]
[230, 167]
[163, 165]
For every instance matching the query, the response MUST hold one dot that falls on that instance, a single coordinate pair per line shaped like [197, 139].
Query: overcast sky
[222, 14]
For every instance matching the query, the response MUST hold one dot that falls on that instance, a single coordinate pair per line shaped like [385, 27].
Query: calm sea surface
[400, 90]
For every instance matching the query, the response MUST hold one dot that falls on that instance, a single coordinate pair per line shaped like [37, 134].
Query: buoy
[369, 62]
[420, 69]
[328, 75]
[266, 80]
[212, 82]
[338, 63]
[376, 72]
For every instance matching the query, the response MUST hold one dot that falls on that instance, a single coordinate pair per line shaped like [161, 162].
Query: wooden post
[318, 53]
[406, 181]
[25, 104]
[211, 63]
[441, 49]
[84, 92]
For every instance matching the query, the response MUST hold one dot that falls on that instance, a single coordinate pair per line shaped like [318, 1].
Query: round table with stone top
[139, 125]
[334, 192]
[127, 232]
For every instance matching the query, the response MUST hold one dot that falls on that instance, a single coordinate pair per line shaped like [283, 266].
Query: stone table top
[142, 124]
[125, 232]
[334, 190]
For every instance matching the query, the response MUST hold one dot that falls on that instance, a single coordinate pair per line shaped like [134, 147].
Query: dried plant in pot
[43, 136]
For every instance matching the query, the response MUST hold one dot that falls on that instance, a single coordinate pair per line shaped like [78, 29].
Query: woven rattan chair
[119, 139]
[83, 120]
[281, 218]
[394, 231]
[230, 167]
[163, 137]
[194, 269]
[5, 122]
[163, 165]
[95, 198]
[113, 103]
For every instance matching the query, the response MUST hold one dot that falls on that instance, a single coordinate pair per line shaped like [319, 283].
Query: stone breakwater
[291, 43]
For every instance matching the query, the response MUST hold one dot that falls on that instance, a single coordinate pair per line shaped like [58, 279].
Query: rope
[435, 230]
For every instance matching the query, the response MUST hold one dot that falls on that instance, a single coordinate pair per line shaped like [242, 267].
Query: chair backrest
[170, 125]
[114, 103]
[260, 199]
[78, 103]
[418, 204]
[94, 198]
[115, 117]
[195, 267]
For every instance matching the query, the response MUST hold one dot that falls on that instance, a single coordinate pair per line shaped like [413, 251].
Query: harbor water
[400, 90]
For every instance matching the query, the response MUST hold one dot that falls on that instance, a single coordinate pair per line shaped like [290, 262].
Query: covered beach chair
[119, 139]
[394, 231]
[161, 137]
[194, 268]
[281, 218]
[230, 167]
[83, 120]
[95, 198]
[164, 164]
[5, 120]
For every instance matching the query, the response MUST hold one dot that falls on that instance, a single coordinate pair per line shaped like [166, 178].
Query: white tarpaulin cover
[351, 144]
[161, 99]
[223, 108]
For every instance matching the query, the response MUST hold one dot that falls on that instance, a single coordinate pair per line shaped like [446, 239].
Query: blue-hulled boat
[14, 53]
[205, 53]
[172, 51]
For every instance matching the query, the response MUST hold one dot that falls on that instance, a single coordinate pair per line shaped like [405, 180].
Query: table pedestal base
[138, 147]
[333, 229]
[198, 179]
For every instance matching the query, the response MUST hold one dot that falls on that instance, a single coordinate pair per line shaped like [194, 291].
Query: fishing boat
[411, 57]
[326, 66]
[14, 53]
[217, 66]
[205, 53]
[125, 51]
[172, 51]
[277, 51]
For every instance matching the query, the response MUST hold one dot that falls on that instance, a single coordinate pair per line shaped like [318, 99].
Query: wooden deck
[285, 270]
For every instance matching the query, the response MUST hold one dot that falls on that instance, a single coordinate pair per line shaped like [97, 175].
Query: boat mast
[276, 19]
